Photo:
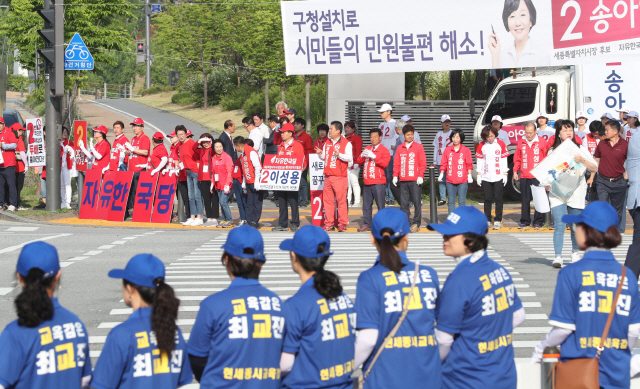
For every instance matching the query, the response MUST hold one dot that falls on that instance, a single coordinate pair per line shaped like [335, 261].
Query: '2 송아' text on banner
[347, 37]
[36, 152]
[145, 193]
[281, 172]
[80, 133]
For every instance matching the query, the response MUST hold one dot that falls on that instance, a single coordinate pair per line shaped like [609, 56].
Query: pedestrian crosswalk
[199, 273]
[543, 245]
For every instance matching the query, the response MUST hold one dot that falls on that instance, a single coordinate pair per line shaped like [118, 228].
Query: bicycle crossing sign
[77, 55]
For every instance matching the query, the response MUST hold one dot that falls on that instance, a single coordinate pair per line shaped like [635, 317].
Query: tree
[455, 85]
[480, 86]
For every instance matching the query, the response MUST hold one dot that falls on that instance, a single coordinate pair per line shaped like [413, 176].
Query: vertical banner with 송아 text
[80, 134]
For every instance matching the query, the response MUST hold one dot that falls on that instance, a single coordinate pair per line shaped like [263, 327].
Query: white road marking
[22, 229]
[5, 291]
[21, 245]
[94, 252]
[105, 247]
[77, 258]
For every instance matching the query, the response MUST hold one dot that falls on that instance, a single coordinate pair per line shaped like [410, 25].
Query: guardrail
[108, 91]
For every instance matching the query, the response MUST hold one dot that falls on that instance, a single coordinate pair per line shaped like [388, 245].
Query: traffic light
[140, 52]
[53, 35]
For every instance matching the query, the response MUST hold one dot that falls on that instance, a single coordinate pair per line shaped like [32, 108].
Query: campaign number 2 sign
[281, 173]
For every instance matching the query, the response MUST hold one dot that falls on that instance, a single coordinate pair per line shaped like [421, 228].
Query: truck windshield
[511, 101]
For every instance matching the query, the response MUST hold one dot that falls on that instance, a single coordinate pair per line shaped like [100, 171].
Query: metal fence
[108, 91]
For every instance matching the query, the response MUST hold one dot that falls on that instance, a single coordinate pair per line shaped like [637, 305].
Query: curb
[11, 217]
[182, 116]
[26, 108]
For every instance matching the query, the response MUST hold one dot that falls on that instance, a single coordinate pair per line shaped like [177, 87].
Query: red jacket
[248, 169]
[9, 156]
[307, 142]
[237, 169]
[334, 166]
[356, 147]
[188, 160]
[203, 156]
[103, 148]
[69, 160]
[373, 169]
[319, 143]
[115, 153]
[409, 163]
[222, 166]
[295, 148]
[20, 164]
[457, 164]
[527, 157]
[158, 152]
[141, 142]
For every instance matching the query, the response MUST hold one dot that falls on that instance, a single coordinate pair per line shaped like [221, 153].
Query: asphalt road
[193, 265]
[155, 118]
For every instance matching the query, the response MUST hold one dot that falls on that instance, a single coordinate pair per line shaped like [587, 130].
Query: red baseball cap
[189, 134]
[17, 126]
[1, 119]
[287, 127]
[172, 135]
[101, 129]
[137, 122]
[158, 135]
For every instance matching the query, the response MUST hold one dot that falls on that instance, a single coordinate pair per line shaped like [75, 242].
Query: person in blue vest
[583, 300]
[48, 346]
[319, 320]
[148, 350]
[236, 340]
[478, 308]
[410, 359]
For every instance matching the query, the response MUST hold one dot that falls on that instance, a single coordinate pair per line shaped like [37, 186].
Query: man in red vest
[118, 159]
[138, 152]
[289, 147]
[251, 169]
[374, 160]
[336, 153]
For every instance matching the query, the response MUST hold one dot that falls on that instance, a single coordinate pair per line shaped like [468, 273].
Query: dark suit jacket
[227, 146]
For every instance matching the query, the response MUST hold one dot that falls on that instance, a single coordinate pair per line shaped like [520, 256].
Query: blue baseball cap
[597, 214]
[392, 218]
[142, 270]
[306, 240]
[462, 220]
[242, 238]
[40, 255]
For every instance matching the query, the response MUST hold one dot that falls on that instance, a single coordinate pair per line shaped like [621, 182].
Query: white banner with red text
[281, 172]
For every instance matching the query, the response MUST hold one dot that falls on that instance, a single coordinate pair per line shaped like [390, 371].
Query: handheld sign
[36, 152]
[281, 173]
[164, 199]
[145, 193]
[113, 195]
[80, 134]
[77, 55]
[90, 194]
[316, 178]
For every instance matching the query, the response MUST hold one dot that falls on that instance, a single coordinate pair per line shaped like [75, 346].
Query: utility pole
[147, 9]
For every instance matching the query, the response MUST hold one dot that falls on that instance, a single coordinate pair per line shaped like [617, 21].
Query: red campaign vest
[526, 158]
[115, 153]
[592, 143]
[247, 166]
[372, 172]
[69, 161]
[334, 166]
[236, 174]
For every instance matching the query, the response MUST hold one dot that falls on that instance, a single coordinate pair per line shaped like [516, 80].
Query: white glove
[536, 357]
[505, 178]
[419, 181]
[212, 186]
[440, 177]
[479, 180]
[63, 147]
[371, 154]
[469, 179]
[81, 144]
[226, 189]
[120, 147]
[164, 172]
[128, 146]
[105, 169]
[172, 172]
[395, 181]
[91, 143]
[153, 172]
[245, 191]
[355, 166]
[244, 184]
[256, 185]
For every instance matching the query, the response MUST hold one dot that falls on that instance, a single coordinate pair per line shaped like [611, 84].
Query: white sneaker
[11, 208]
[575, 257]
[488, 224]
[211, 223]
[189, 222]
[242, 223]
[196, 222]
[497, 225]
[356, 204]
[557, 263]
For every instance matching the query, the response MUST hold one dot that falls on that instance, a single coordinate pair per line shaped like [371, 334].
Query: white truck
[559, 93]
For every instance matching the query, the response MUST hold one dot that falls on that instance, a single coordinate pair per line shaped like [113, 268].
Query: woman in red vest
[251, 169]
[203, 153]
[457, 162]
[222, 168]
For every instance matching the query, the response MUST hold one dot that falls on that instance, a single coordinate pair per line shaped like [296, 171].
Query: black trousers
[8, 177]
[210, 200]
[372, 192]
[411, 191]
[633, 255]
[493, 191]
[525, 197]
[19, 185]
[184, 193]
[134, 188]
[254, 204]
[291, 198]
[614, 193]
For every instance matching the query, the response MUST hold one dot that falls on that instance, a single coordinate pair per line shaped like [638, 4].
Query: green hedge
[157, 89]
[14, 82]
[181, 98]
[236, 98]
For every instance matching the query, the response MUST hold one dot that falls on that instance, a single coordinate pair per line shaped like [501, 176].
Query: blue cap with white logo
[462, 220]
[245, 242]
[597, 214]
[392, 218]
[38, 255]
[142, 270]
[306, 241]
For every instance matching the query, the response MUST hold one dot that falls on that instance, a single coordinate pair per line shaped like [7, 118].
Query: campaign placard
[281, 172]
[90, 194]
[114, 195]
[316, 181]
[165, 195]
[36, 153]
[80, 134]
[145, 193]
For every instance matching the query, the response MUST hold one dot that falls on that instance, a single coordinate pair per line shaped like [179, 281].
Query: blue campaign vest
[582, 302]
[131, 359]
[477, 303]
[411, 359]
[240, 331]
[53, 355]
[321, 333]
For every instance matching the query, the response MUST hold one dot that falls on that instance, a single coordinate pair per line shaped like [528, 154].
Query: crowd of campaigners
[402, 329]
